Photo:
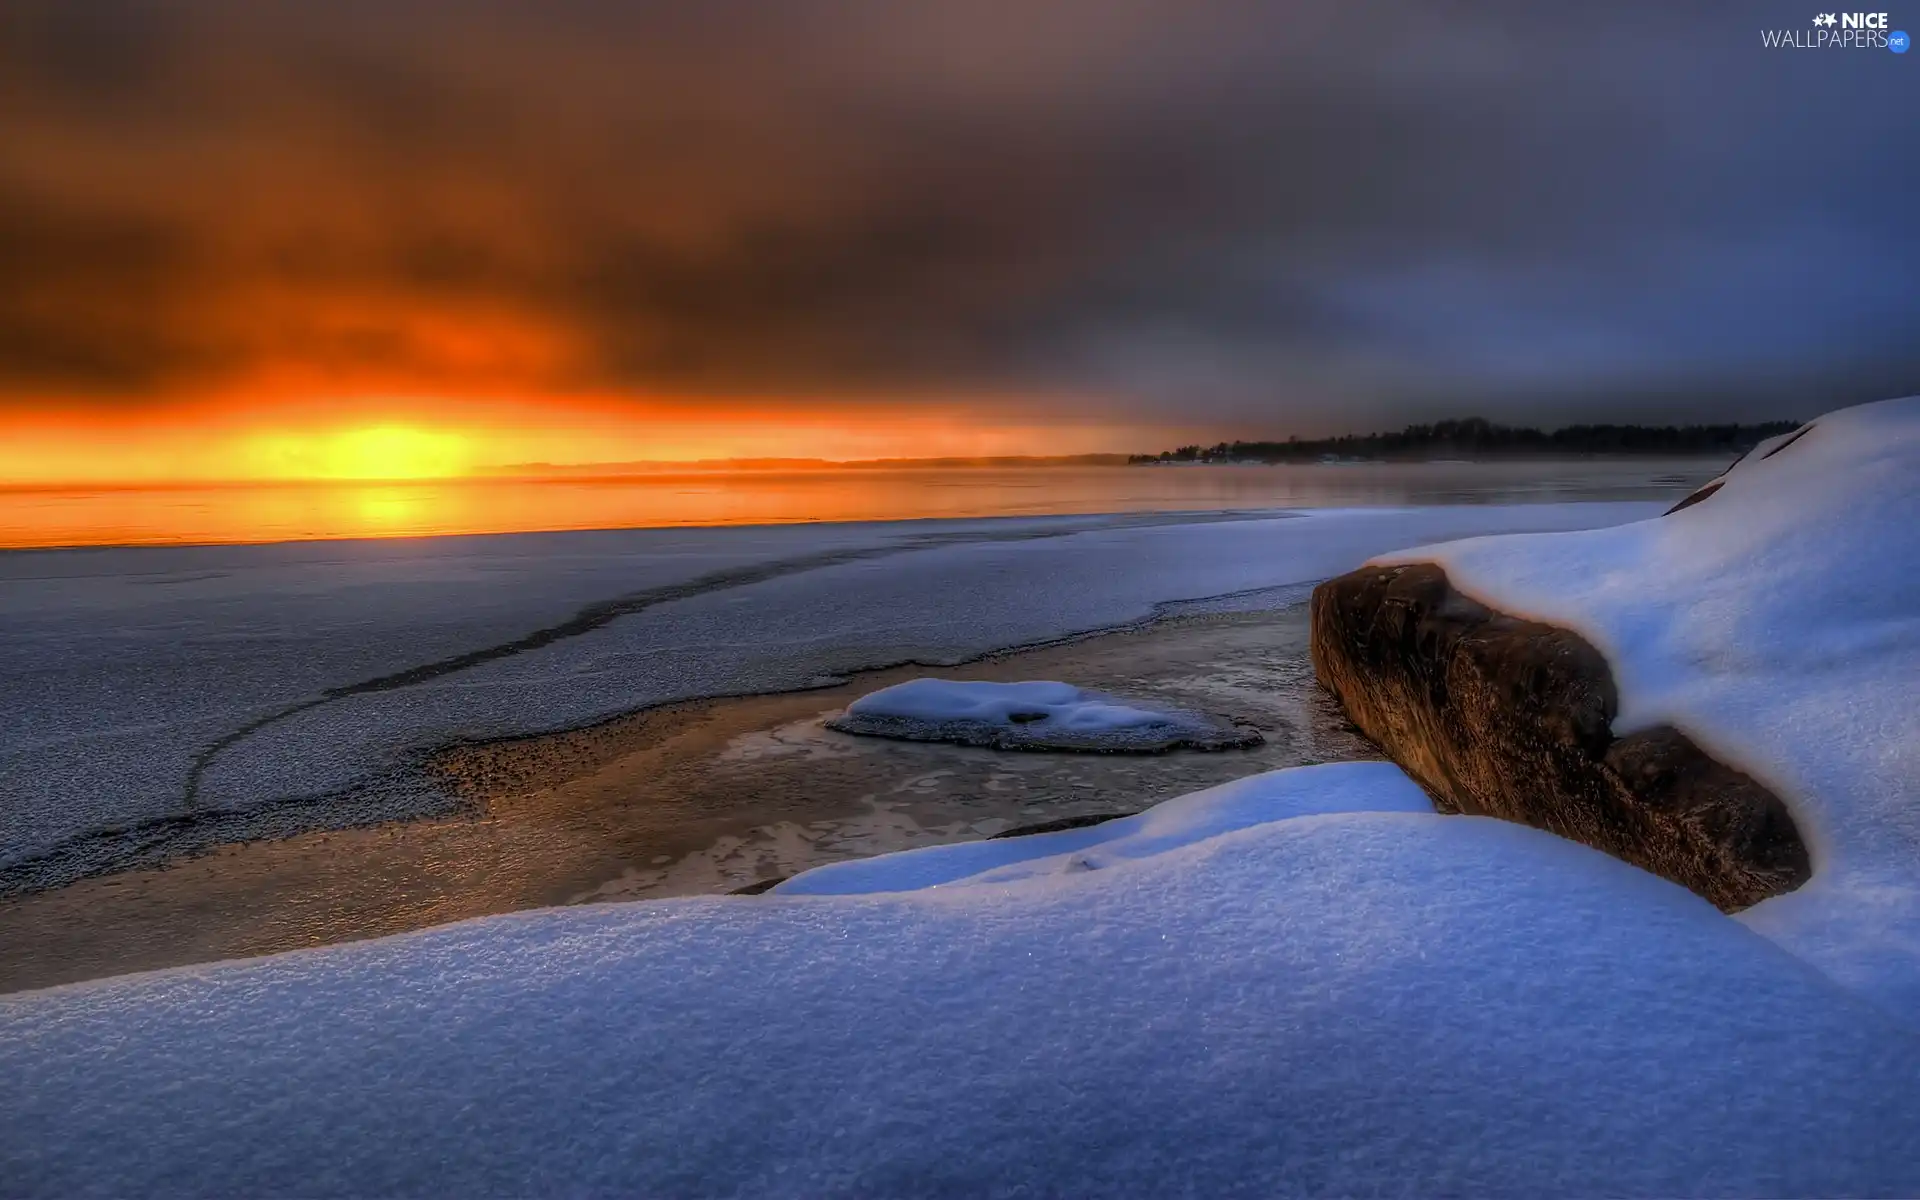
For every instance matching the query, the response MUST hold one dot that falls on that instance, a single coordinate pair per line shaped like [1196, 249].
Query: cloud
[1230, 211]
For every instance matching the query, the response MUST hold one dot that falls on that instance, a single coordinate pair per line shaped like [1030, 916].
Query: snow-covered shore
[1243, 994]
[1301, 983]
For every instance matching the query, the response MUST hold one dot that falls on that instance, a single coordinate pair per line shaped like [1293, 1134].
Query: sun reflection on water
[46, 517]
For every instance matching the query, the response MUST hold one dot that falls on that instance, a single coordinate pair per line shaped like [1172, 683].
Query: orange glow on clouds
[379, 452]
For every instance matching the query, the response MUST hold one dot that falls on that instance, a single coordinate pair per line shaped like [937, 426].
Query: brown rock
[1498, 716]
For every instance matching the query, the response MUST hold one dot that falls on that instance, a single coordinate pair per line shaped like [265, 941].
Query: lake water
[47, 517]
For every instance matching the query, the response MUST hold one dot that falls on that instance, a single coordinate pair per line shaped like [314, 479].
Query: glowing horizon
[328, 440]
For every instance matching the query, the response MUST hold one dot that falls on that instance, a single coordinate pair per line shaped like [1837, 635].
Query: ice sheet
[162, 699]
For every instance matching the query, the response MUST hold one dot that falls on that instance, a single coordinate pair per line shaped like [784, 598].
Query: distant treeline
[1475, 437]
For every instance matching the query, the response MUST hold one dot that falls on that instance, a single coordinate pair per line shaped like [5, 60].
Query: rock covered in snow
[1775, 623]
[1037, 715]
[1499, 716]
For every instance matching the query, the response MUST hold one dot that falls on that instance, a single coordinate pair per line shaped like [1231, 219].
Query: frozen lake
[166, 699]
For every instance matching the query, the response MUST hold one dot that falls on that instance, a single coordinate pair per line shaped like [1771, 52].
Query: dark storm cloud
[1193, 211]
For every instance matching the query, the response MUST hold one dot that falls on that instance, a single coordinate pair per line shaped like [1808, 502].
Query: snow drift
[1334, 1002]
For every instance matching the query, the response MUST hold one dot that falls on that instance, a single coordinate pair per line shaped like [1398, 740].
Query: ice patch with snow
[1777, 623]
[1033, 715]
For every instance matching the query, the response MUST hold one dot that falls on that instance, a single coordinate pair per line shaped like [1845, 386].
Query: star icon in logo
[1827, 19]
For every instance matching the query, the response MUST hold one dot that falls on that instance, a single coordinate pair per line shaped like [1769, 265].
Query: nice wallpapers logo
[1840, 31]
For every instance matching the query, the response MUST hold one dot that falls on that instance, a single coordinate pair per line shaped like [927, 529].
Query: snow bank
[1036, 715]
[1351, 1002]
[1184, 820]
[1777, 624]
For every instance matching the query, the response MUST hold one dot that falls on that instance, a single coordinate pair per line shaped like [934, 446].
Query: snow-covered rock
[1034, 715]
[1504, 717]
[1776, 622]
[1222, 999]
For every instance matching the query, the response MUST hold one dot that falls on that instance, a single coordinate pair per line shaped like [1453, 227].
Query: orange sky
[247, 240]
[408, 437]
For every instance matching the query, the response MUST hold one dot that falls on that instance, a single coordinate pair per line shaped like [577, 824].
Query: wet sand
[694, 798]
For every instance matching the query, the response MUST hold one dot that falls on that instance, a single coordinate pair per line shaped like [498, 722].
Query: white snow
[1351, 1002]
[118, 668]
[1301, 983]
[1184, 820]
[1031, 714]
[1777, 623]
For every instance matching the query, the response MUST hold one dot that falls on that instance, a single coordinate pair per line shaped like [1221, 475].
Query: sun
[392, 452]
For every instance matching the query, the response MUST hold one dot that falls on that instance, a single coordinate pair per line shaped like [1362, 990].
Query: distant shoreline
[1435, 459]
[1474, 439]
